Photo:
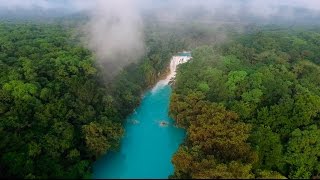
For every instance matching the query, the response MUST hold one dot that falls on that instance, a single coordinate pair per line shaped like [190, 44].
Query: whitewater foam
[175, 61]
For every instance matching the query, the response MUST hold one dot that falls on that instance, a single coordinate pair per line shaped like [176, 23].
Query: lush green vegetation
[56, 114]
[129, 85]
[251, 108]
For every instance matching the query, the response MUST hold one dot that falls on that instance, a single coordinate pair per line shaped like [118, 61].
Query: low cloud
[115, 33]
[115, 28]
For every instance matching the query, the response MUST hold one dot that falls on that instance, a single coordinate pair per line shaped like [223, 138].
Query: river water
[150, 139]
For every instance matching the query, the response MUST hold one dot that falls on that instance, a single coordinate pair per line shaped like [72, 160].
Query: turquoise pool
[184, 54]
[147, 148]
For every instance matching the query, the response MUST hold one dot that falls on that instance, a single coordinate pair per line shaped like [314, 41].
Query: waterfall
[147, 148]
[175, 61]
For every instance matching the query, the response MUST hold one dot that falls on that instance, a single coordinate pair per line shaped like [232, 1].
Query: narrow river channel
[150, 138]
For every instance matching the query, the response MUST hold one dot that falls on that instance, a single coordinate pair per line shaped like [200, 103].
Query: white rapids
[175, 61]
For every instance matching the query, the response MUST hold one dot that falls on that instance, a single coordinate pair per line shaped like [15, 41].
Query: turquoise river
[147, 148]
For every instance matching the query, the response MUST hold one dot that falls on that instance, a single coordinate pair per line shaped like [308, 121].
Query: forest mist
[115, 29]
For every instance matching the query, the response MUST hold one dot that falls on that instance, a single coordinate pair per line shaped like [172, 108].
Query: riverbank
[148, 146]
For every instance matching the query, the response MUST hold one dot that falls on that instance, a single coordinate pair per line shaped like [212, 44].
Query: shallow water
[147, 148]
[185, 54]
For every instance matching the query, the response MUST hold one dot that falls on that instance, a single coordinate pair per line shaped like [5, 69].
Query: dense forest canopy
[251, 107]
[57, 115]
[249, 99]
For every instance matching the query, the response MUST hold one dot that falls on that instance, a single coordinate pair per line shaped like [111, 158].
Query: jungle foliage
[251, 107]
[57, 115]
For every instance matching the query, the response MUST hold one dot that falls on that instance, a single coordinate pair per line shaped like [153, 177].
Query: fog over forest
[239, 78]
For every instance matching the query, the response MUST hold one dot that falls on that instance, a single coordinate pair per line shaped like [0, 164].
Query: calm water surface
[147, 148]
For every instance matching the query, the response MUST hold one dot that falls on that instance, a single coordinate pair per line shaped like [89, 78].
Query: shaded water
[147, 148]
[188, 54]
